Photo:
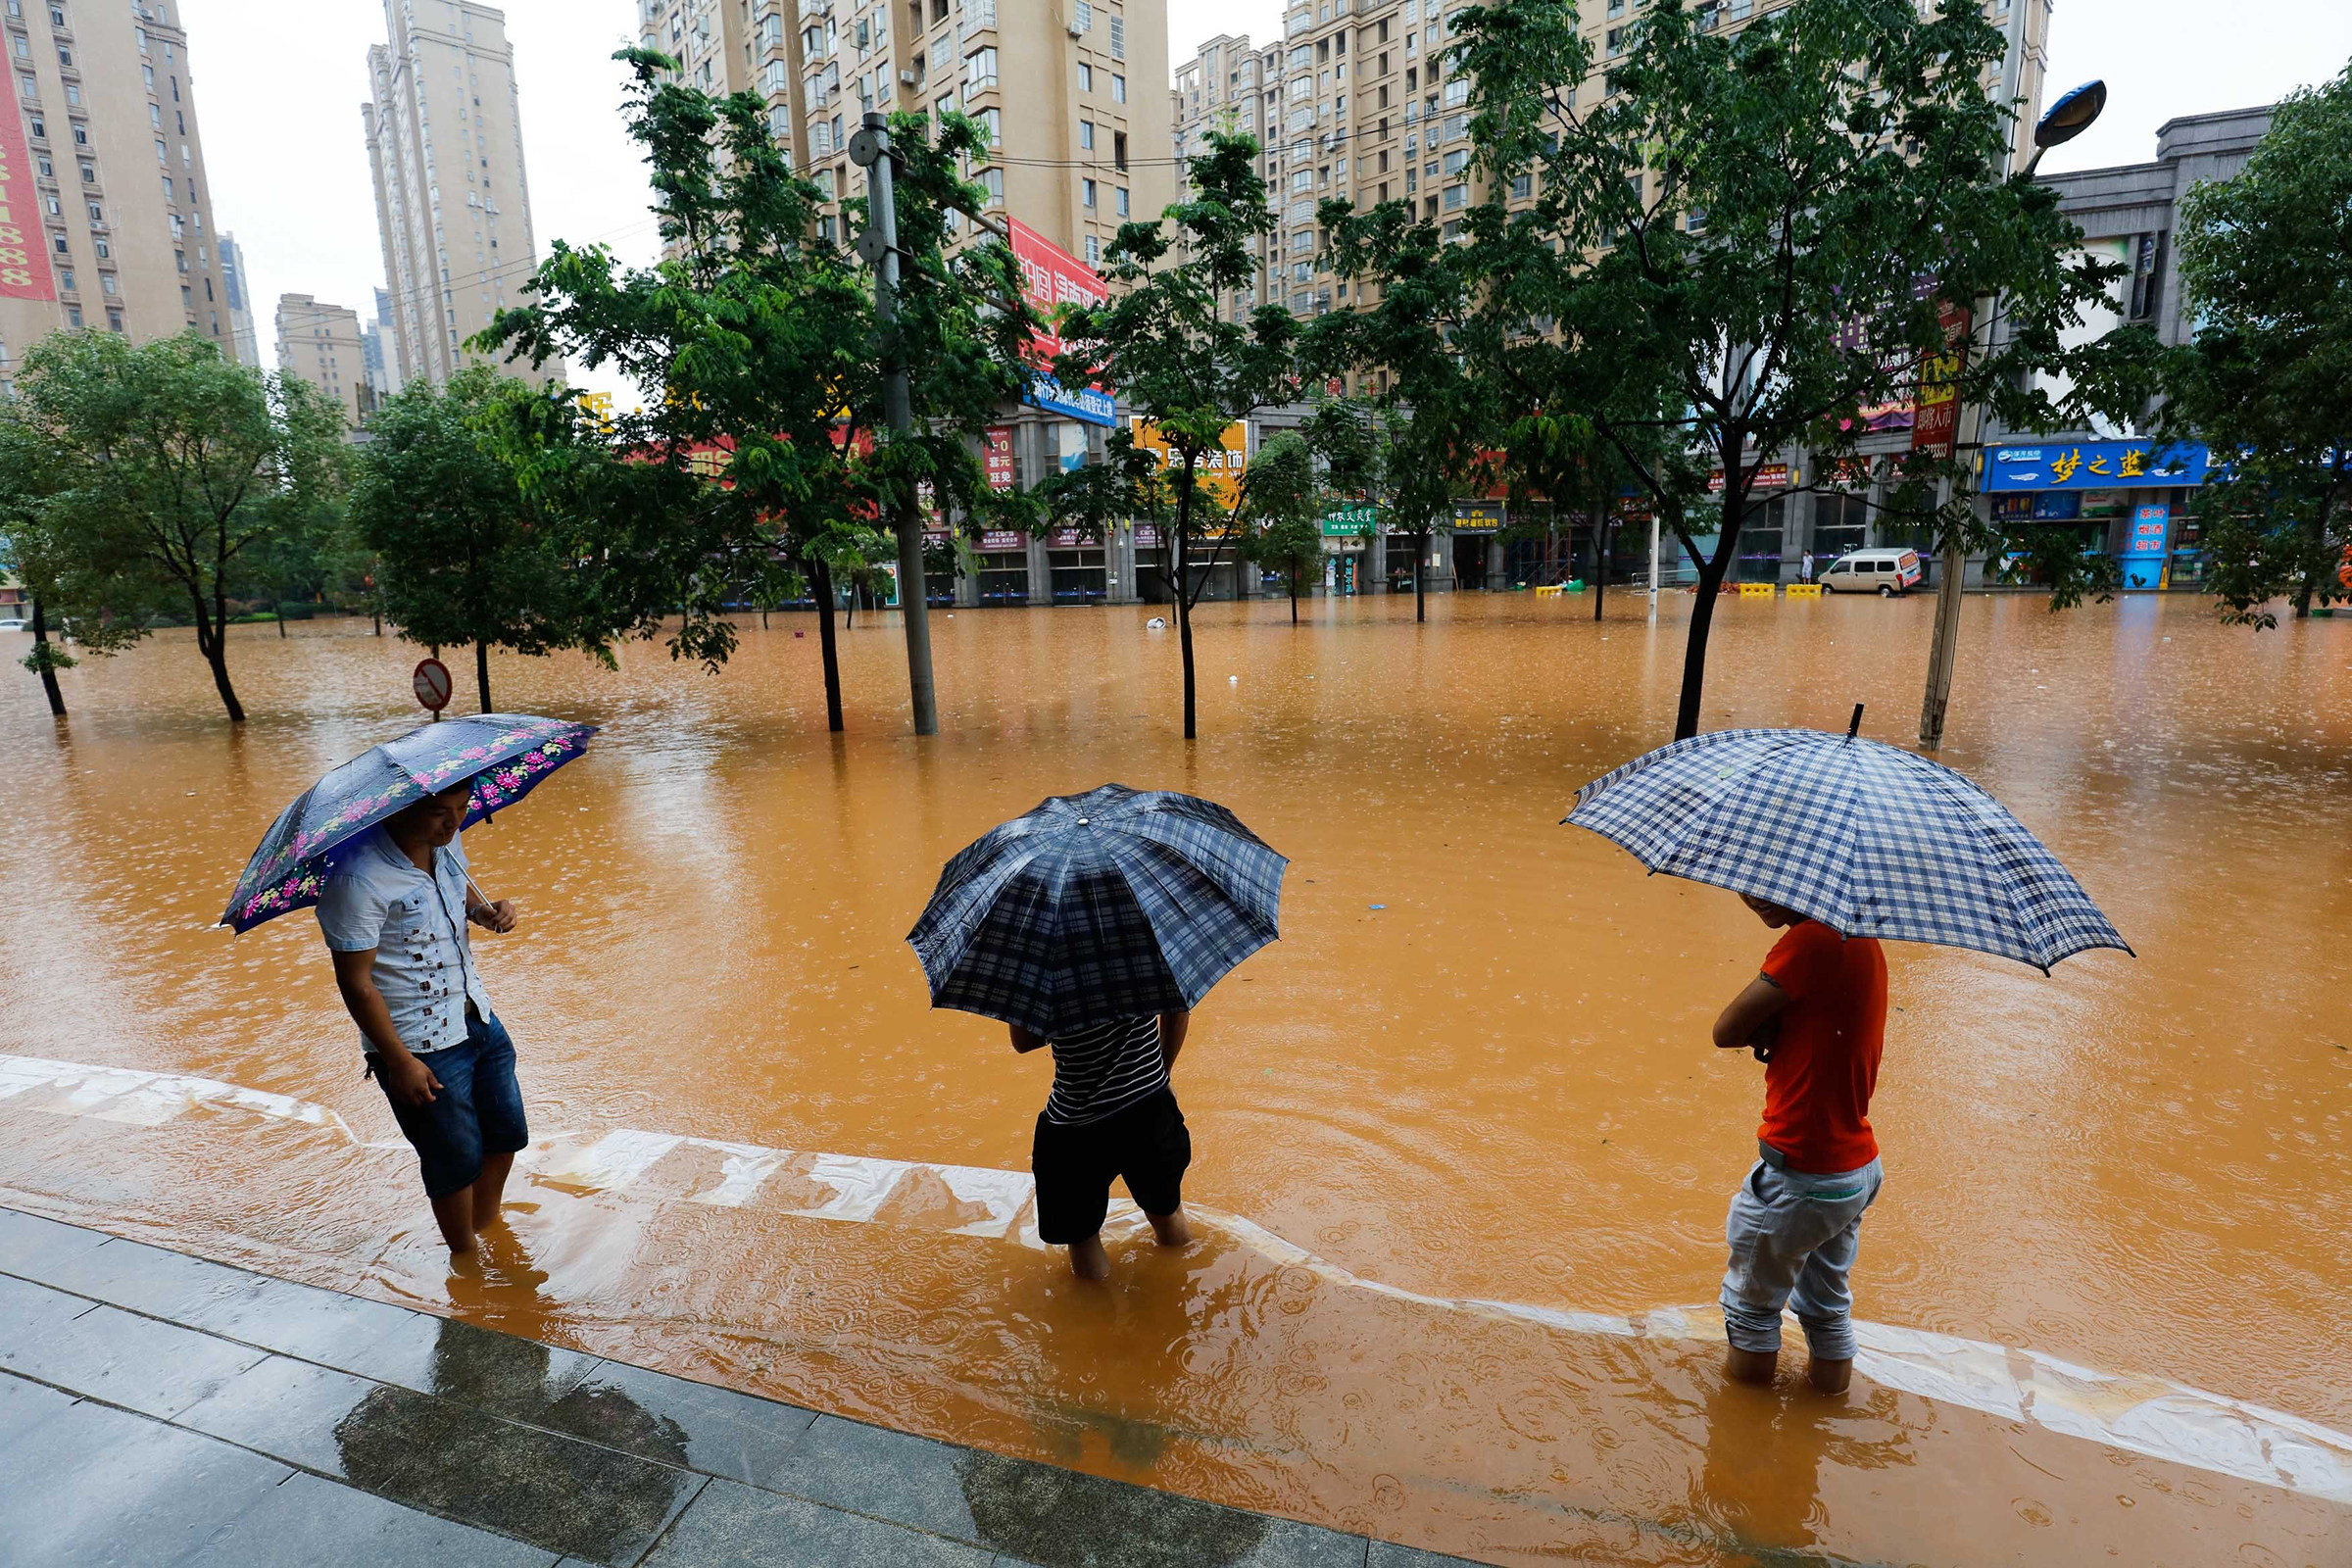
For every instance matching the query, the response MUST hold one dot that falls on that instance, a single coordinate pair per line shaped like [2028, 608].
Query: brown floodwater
[1462, 1145]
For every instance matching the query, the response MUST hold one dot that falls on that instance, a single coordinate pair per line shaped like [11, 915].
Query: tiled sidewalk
[157, 1409]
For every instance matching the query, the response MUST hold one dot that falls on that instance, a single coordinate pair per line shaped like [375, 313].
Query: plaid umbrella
[506, 755]
[1867, 839]
[1098, 906]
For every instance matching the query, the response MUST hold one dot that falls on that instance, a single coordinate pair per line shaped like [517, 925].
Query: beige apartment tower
[453, 208]
[321, 343]
[105, 209]
[1072, 91]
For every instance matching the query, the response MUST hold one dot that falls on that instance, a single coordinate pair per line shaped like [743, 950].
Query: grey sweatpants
[1793, 1236]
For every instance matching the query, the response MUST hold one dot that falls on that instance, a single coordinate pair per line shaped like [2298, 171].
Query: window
[1093, 251]
[1118, 38]
[1118, 149]
[24, 46]
[1457, 159]
[97, 213]
[1119, 202]
[992, 179]
[106, 282]
[979, 70]
[1118, 89]
[148, 72]
[1522, 186]
[168, 193]
[65, 280]
[1456, 196]
[1086, 193]
[994, 121]
[1085, 76]
[1085, 134]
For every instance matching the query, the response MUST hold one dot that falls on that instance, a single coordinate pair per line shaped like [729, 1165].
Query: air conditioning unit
[907, 78]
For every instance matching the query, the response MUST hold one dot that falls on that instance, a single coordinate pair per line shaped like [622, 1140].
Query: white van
[1883, 571]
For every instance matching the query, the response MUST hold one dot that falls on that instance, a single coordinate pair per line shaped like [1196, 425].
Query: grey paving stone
[29, 1243]
[655, 1416]
[495, 1372]
[288, 1409]
[27, 1308]
[1388, 1554]
[157, 1368]
[145, 1279]
[292, 1319]
[734, 1526]
[890, 1474]
[26, 1405]
[310, 1523]
[572, 1497]
[92, 1485]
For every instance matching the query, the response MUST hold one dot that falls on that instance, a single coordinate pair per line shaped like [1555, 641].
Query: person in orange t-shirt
[1816, 1017]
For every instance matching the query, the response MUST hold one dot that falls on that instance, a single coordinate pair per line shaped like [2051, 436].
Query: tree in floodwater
[765, 446]
[1289, 536]
[2266, 261]
[1407, 463]
[1749, 238]
[170, 471]
[460, 554]
[1162, 343]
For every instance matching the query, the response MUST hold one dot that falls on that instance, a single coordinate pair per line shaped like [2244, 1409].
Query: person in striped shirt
[1112, 1114]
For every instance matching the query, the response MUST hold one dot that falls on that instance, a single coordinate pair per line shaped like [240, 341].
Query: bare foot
[1172, 1229]
[1750, 1366]
[1831, 1377]
[1088, 1261]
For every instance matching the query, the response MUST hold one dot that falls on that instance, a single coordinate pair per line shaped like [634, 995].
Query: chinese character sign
[24, 245]
[1220, 468]
[1050, 279]
[2096, 465]
[2148, 526]
[996, 456]
[1936, 427]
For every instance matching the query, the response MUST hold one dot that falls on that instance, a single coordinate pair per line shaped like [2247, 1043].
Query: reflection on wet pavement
[1495, 1088]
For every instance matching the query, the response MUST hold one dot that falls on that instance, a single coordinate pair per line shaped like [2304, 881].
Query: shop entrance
[1470, 560]
[1079, 576]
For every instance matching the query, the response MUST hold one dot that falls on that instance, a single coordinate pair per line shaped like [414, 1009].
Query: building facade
[233, 283]
[102, 180]
[444, 131]
[379, 352]
[320, 343]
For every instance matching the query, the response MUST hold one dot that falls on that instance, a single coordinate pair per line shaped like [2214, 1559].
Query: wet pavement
[157, 1408]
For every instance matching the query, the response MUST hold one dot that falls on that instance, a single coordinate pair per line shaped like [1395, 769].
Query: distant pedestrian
[1805, 567]
[394, 913]
[1112, 1116]
[1816, 1017]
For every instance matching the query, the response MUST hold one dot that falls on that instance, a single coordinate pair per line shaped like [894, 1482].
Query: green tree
[1163, 345]
[459, 556]
[170, 471]
[1408, 459]
[2266, 262]
[1289, 536]
[1747, 239]
[765, 446]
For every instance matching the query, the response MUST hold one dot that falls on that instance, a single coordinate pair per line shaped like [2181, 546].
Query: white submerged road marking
[2137, 1414]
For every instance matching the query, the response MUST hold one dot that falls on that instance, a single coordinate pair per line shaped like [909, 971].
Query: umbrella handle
[477, 889]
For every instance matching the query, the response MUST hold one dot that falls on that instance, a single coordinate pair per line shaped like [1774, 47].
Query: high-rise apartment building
[105, 212]
[379, 352]
[1071, 92]
[321, 344]
[238, 291]
[444, 128]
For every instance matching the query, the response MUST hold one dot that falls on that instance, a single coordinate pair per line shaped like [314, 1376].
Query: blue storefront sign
[2095, 466]
[2143, 550]
[1090, 403]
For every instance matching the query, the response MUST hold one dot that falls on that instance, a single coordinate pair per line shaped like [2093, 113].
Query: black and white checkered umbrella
[1870, 840]
[1098, 906]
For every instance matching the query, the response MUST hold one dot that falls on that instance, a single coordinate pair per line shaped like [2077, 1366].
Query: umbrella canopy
[506, 755]
[1098, 906]
[1868, 839]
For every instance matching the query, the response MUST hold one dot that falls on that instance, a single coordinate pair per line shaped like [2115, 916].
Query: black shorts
[1146, 1143]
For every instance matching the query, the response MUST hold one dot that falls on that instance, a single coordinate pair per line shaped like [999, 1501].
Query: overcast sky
[279, 84]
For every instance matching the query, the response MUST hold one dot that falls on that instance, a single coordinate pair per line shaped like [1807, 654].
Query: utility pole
[878, 247]
[1653, 560]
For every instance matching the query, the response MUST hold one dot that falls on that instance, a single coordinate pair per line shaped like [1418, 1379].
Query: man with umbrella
[392, 913]
[374, 843]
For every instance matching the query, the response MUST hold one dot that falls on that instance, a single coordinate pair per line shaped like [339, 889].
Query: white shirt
[377, 898]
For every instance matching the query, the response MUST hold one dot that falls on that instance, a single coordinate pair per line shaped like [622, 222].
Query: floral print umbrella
[506, 755]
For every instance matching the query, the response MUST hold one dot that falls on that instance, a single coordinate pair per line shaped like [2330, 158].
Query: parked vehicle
[1881, 571]
[12, 624]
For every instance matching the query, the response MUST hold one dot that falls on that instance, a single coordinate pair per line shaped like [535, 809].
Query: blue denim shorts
[477, 1110]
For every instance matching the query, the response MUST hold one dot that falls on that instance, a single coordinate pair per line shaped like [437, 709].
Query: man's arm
[1172, 1027]
[1023, 1041]
[409, 1079]
[499, 916]
[1754, 1012]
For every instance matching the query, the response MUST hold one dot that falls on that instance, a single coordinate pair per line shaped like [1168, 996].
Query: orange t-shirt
[1817, 1086]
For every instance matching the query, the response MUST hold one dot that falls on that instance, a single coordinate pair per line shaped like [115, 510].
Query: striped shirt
[1104, 1069]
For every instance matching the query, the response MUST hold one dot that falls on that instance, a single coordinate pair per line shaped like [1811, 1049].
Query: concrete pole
[914, 603]
[1653, 565]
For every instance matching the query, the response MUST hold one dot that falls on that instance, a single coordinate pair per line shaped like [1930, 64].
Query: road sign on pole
[431, 683]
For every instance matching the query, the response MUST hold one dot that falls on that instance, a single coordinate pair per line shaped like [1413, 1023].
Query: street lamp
[2061, 122]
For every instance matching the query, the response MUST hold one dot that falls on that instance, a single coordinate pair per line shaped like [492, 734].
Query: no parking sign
[432, 682]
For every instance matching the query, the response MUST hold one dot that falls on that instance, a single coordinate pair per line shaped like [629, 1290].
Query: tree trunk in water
[217, 656]
[1601, 567]
[281, 616]
[1695, 656]
[1184, 597]
[379, 623]
[481, 673]
[1293, 592]
[2303, 601]
[823, 582]
[1420, 598]
[41, 644]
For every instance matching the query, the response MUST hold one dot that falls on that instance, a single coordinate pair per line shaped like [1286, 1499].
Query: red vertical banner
[996, 454]
[1937, 428]
[23, 243]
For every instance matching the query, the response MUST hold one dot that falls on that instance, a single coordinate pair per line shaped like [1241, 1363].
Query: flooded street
[1462, 1146]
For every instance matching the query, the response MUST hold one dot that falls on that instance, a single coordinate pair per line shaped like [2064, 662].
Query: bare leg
[1750, 1366]
[453, 1213]
[488, 1189]
[1172, 1228]
[1088, 1261]
[1831, 1377]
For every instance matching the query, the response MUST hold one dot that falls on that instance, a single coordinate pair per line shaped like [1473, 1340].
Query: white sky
[280, 82]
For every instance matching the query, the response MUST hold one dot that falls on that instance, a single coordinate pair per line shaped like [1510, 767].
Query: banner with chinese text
[23, 243]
